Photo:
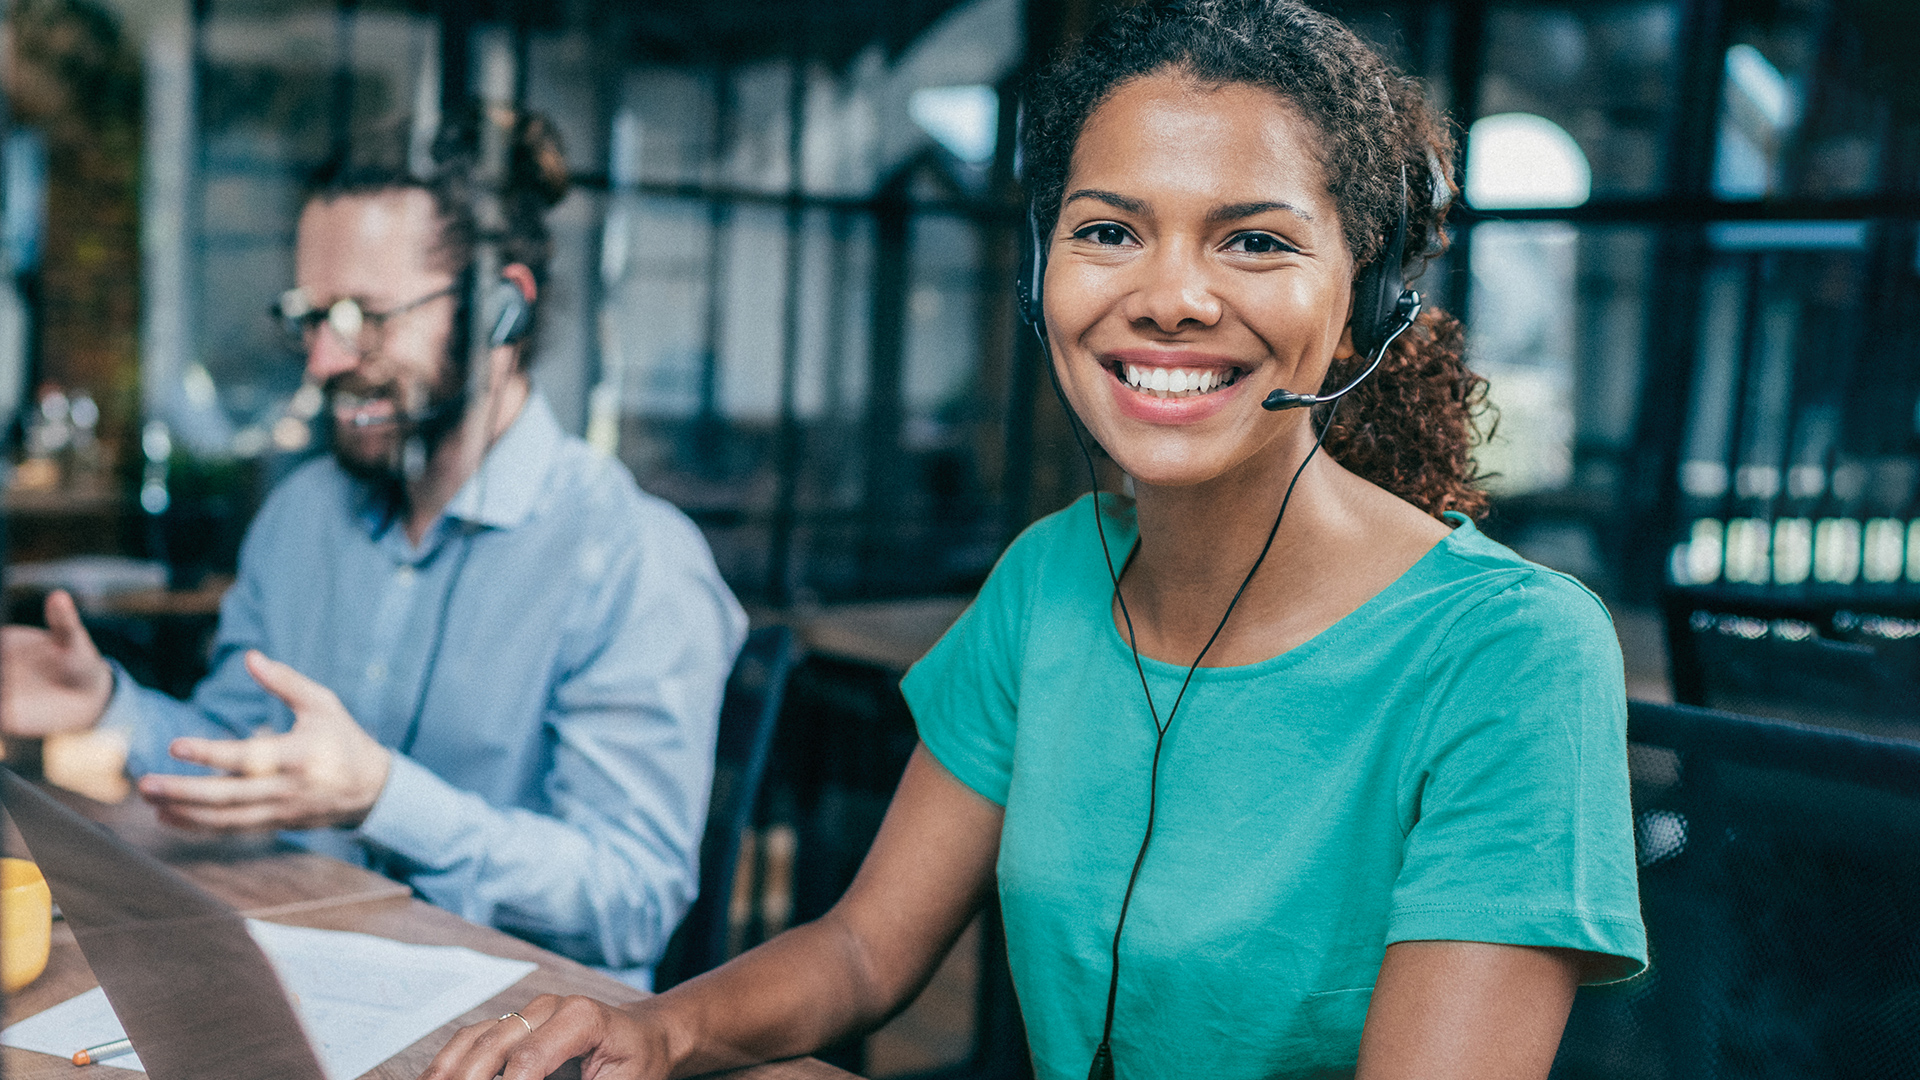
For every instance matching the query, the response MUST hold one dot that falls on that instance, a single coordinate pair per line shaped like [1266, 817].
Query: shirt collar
[515, 470]
[501, 493]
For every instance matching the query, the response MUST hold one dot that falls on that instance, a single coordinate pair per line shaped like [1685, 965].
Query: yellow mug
[26, 923]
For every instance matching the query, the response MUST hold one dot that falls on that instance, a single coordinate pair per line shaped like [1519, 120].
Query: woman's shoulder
[1487, 588]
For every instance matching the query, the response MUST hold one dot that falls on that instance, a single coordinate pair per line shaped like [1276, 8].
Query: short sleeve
[1521, 830]
[964, 692]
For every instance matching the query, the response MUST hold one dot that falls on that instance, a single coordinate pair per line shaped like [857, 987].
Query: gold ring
[518, 1017]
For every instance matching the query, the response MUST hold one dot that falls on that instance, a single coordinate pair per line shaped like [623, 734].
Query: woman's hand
[927, 873]
[615, 1044]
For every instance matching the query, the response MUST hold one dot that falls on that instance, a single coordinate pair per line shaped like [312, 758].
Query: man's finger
[252, 817]
[257, 756]
[63, 620]
[286, 683]
[213, 791]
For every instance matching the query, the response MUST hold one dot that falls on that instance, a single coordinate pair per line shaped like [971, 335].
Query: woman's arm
[1443, 1010]
[928, 872]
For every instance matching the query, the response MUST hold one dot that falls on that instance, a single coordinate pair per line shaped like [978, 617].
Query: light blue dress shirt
[557, 787]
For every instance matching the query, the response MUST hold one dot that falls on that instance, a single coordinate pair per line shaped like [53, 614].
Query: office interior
[1687, 257]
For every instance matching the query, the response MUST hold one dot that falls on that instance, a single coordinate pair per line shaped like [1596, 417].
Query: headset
[1383, 309]
[513, 313]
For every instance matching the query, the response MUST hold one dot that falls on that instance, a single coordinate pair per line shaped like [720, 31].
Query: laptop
[197, 997]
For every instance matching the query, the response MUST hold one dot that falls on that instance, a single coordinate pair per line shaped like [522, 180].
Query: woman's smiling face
[1197, 265]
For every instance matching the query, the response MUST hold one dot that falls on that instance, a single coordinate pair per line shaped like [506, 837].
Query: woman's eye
[1103, 234]
[1259, 244]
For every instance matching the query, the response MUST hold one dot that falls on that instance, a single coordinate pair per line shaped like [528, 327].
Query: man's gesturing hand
[325, 771]
[55, 679]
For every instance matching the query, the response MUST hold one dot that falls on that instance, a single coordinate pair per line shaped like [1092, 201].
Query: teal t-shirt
[1447, 762]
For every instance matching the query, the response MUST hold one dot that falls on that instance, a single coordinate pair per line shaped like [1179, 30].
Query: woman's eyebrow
[1111, 198]
[1237, 211]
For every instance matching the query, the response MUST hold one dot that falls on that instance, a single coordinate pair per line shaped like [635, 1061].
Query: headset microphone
[1406, 310]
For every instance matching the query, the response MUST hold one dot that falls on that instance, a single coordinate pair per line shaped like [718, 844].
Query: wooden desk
[889, 634]
[269, 880]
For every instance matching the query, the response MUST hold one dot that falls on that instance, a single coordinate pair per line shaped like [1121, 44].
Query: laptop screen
[196, 995]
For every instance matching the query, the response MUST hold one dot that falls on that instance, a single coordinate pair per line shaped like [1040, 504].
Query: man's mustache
[356, 405]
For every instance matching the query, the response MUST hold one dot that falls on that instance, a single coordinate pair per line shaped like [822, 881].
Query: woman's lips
[1176, 388]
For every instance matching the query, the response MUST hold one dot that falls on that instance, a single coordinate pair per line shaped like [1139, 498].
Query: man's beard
[374, 443]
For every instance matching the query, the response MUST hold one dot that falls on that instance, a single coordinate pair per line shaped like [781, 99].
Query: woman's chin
[1171, 471]
[1188, 457]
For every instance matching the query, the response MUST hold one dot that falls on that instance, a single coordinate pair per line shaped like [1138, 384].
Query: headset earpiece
[1380, 295]
[513, 317]
[1033, 271]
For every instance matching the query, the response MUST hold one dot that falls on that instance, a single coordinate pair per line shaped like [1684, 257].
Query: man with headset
[464, 648]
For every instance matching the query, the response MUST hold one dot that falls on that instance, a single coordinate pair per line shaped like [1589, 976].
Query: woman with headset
[1281, 768]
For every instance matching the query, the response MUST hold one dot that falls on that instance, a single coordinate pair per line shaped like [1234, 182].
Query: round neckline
[1299, 654]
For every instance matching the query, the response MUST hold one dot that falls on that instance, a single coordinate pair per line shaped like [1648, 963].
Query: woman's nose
[1174, 290]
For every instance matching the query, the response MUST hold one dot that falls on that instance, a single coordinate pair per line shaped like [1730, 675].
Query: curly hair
[1411, 426]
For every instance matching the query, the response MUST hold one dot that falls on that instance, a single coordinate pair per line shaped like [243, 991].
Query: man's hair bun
[539, 160]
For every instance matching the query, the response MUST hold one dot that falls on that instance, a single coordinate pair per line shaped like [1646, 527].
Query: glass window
[1603, 72]
[1803, 103]
[1558, 325]
[1781, 484]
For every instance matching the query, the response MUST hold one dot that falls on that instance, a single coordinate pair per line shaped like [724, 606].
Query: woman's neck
[1197, 543]
[1340, 541]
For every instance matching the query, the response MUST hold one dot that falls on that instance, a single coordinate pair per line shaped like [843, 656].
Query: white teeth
[1166, 382]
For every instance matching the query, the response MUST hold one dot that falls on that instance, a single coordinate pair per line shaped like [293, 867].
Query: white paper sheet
[362, 998]
[72, 1025]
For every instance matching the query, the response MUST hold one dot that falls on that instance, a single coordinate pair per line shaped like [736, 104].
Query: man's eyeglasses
[353, 326]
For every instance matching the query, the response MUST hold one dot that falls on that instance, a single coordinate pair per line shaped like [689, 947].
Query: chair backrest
[1836, 661]
[1780, 882]
[748, 715]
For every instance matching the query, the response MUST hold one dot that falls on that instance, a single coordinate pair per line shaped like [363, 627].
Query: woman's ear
[1345, 350]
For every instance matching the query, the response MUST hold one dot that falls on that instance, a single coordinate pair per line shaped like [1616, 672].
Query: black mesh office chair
[1780, 880]
[748, 716]
[1834, 659]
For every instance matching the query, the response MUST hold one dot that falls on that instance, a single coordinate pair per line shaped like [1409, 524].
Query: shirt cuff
[1620, 938]
[146, 745]
[411, 817]
[122, 714]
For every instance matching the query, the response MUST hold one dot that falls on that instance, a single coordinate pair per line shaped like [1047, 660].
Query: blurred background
[781, 295]
[1687, 263]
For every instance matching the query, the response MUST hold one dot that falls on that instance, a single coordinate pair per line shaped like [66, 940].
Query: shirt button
[404, 575]
[376, 671]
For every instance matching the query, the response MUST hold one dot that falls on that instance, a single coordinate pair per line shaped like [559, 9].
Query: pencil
[102, 1052]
